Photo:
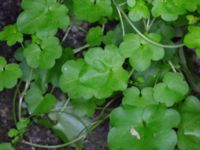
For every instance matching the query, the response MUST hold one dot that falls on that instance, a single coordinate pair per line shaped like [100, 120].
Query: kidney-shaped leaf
[42, 16]
[192, 39]
[143, 128]
[69, 80]
[140, 52]
[37, 103]
[11, 35]
[44, 55]
[9, 74]
[173, 89]
[99, 75]
[189, 131]
[92, 10]
[134, 97]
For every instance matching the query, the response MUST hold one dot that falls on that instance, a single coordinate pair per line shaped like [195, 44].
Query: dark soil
[9, 10]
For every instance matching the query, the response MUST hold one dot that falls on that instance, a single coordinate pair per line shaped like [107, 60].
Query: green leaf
[140, 52]
[98, 76]
[187, 5]
[11, 35]
[143, 128]
[107, 74]
[43, 56]
[151, 76]
[189, 131]
[37, 103]
[55, 72]
[9, 74]
[92, 10]
[6, 146]
[168, 10]
[138, 11]
[173, 89]
[21, 127]
[134, 97]
[131, 3]
[94, 36]
[69, 80]
[84, 108]
[43, 17]
[192, 39]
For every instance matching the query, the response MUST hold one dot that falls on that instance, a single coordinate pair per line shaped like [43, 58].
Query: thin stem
[150, 25]
[23, 94]
[80, 48]
[143, 36]
[65, 105]
[66, 34]
[195, 87]
[14, 102]
[122, 4]
[54, 146]
[172, 66]
[130, 73]
[98, 122]
[121, 21]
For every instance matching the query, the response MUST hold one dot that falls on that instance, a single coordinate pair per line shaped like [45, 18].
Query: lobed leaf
[140, 52]
[11, 35]
[94, 36]
[192, 39]
[134, 97]
[143, 128]
[189, 131]
[37, 103]
[98, 75]
[173, 89]
[44, 55]
[43, 17]
[139, 10]
[92, 10]
[9, 74]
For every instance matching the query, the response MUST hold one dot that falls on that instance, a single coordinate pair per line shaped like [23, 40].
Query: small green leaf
[140, 52]
[12, 133]
[98, 76]
[173, 89]
[143, 128]
[131, 3]
[192, 39]
[43, 56]
[84, 108]
[167, 9]
[94, 36]
[109, 76]
[138, 11]
[37, 103]
[192, 19]
[6, 146]
[92, 11]
[134, 97]
[151, 76]
[9, 74]
[11, 35]
[189, 131]
[69, 80]
[43, 17]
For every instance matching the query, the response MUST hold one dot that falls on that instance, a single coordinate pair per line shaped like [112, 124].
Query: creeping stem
[141, 34]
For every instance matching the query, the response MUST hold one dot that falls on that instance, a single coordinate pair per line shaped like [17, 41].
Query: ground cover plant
[132, 70]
